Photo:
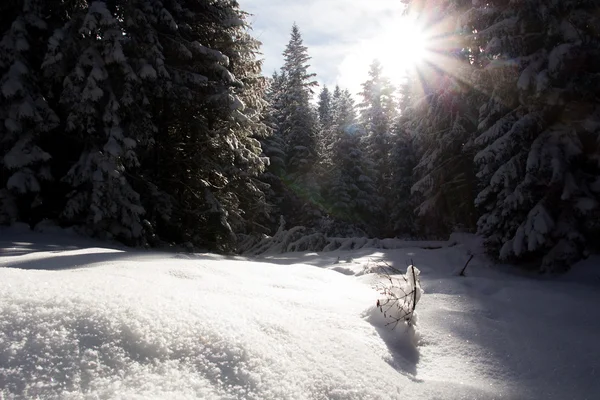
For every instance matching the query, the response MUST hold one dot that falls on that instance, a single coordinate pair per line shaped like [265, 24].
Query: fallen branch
[462, 273]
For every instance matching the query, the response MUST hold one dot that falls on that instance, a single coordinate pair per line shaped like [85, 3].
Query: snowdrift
[79, 320]
[153, 327]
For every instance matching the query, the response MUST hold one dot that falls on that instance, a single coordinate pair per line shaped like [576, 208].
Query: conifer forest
[152, 122]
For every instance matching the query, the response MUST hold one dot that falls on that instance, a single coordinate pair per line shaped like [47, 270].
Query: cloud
[341, 35]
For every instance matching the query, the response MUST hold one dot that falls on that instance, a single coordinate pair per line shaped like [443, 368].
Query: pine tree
[403, 160]
[351, 189]
[206, 156]
[324, 107]
[299, 122]
[274, 145]
[25, 115]
[97, 101]
[344, 118]
[294, 184]
[539, 155]
[377, 114]
[326, 131]
[248, 127]
[445, 177]
[444, 119]
[159, 111]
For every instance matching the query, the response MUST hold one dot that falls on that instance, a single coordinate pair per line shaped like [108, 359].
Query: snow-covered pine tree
[403, 160]
[444, 121]
[96, 101]
[207, 102]
[540, 130]
[350, 191]
[151, 28]
[158, 98]
[283, 194]
[324, 107]
[343, 111]
[445, 179]
[298, 118]
[273, 146]
[326, 131]
[377, 113]
[245, 202]
[25, 115]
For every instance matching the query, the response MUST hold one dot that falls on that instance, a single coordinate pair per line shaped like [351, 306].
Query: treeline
[331, 164]
[497, 133]
[149, 121]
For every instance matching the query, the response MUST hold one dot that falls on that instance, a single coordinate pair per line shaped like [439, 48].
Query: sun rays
[424, 44]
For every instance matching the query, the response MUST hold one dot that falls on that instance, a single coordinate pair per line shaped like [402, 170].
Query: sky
[343, 36]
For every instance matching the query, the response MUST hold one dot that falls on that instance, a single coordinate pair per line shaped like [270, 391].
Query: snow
[148, 72]
[586, 204]
[81, 319]
[215, 54]
[11, 87]
[531, 233]
[558, 56]
[23, 181]
[528, 74]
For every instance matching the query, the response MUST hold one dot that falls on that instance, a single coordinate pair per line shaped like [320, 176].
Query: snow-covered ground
[83, 320]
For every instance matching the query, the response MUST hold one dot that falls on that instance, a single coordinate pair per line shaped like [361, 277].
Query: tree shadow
[20, 242]
[16, 247]
[539, 335]
[69, 261]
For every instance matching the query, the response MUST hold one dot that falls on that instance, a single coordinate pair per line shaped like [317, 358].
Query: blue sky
[343, 36]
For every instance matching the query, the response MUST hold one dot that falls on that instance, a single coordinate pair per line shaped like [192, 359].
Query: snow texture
[79, 320]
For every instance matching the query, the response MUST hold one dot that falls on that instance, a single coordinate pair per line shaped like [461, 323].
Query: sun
[401, 46]
[407, 44]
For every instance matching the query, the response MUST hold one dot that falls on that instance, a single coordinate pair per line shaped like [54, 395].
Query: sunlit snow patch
[160, 327]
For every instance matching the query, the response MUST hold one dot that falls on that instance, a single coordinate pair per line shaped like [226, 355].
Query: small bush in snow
[401, 293]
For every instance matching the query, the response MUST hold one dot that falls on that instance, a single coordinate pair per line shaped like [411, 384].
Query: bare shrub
[401, 293]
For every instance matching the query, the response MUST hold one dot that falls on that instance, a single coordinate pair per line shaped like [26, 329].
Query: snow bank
[157, 326]
[81, 321]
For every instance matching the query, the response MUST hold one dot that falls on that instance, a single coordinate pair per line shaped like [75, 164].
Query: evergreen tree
[208, 122]
[294, 149]
[96, 101]
[377, 115]
[25, 115]
[324, 107]
[344, 118]
[273, 145]
[445, 179]
[326, 134]
[245, 201]
[299, 122]
[444, 122]
[538, 162]
[351, 190]
[403, 160]
[159, 111]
